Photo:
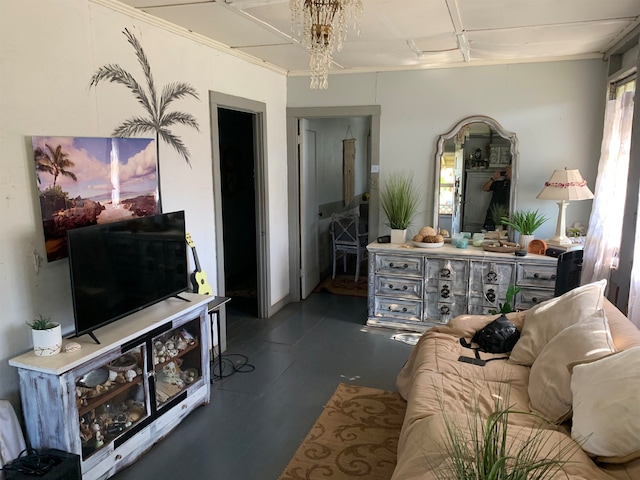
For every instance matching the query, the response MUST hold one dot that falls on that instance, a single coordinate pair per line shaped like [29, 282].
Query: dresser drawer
[537, 275]
[398, 309]
[398, 264]
[405, 287]
[530, 297]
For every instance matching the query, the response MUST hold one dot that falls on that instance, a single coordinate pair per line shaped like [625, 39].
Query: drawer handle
[445, 292]
[404, 310]
[535, 300]
[445, 272]
[444, 310]
[553, 277]
[118, 457]
[492, 277]
[535, 275]
[404, 287]
[491, 295]
[393, 265]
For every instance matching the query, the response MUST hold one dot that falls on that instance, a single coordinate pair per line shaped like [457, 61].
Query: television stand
[181, 298]
[109, 403]
[93, 336]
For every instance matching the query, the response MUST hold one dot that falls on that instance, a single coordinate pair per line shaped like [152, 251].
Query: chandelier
[322, 25]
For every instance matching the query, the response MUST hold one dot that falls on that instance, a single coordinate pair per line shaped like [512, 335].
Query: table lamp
[564, 185]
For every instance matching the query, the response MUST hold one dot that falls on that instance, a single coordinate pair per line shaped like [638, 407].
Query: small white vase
[47, 342]
[398, 236]
[524, 240]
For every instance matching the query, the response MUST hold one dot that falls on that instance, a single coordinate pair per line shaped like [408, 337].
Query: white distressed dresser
[413, 288]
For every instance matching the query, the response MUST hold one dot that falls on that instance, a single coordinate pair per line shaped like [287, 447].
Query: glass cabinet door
[177, 361]
[111, 399]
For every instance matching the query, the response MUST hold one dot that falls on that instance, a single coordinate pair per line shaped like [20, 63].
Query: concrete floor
[256, 420]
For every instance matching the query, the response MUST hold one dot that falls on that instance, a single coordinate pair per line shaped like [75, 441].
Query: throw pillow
[550, 378]
[547, 319]
[606, 406]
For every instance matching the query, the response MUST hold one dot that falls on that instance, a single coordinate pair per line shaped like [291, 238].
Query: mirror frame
[515, 160]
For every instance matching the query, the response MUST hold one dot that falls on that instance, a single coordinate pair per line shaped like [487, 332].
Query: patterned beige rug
[356, 436]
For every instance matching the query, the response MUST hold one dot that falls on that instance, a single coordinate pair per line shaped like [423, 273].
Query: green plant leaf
[399, 200]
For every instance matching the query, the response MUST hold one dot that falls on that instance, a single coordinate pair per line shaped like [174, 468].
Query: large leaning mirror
[476, 175]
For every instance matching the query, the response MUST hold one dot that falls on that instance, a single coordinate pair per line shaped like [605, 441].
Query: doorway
[240, 195]
[237, 160]
[301, 208]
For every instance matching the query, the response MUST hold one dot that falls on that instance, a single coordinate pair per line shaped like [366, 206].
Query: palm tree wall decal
[159, 119]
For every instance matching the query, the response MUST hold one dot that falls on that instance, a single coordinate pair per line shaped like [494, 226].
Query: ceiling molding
[183, 32]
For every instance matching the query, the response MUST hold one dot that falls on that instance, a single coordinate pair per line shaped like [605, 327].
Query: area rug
[356, 436]
[344, 284]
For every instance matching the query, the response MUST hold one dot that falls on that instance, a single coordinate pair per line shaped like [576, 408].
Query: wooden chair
[348, 235]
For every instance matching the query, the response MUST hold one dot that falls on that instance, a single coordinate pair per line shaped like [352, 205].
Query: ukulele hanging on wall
[198, 277]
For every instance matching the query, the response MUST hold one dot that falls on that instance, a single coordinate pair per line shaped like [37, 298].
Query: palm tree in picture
[55, 163]
[158, 119]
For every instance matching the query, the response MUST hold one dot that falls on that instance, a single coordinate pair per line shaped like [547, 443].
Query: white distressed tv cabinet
[412, 288]
[110, 402]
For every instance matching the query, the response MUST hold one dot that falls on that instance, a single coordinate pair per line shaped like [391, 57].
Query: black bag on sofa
[499, 336]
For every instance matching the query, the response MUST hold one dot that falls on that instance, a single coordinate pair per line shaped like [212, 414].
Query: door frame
[293, 175]
[259, 110]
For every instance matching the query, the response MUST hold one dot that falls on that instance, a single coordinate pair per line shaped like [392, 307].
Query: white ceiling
[408, 34]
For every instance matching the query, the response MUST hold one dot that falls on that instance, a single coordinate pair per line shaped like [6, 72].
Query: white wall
[556, 109]
[49, 52]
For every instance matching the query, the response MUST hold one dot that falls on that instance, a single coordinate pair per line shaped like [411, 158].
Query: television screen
[119, 268]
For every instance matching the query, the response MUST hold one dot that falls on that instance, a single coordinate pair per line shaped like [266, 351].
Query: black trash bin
[568, 271]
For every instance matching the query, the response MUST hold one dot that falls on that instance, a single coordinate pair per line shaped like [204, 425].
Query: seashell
[112, 375]
[130, 375]
[71, 347]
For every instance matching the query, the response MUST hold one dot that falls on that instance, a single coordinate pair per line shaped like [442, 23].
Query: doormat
[356, 436]
[344, 284]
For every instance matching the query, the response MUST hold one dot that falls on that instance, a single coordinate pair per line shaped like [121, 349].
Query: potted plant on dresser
[399, 200]
[47, 336]
[525, 222]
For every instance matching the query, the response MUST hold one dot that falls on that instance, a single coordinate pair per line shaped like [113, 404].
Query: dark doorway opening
[237, 175]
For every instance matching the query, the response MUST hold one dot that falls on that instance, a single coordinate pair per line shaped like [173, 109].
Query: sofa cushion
[606, 406]
[550, 379]
[547, 319]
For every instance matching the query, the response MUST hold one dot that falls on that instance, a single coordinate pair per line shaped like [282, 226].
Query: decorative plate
[94, 378]
[427, 245]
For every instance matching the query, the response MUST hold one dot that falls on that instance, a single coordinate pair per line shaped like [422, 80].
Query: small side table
[214, 309]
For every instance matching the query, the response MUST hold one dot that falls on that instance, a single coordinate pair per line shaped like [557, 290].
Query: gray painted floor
[256, 420]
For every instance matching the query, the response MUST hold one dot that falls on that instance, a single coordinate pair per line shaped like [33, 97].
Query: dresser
[413, 288]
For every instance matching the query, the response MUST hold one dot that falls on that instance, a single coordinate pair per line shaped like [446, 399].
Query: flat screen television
[122, 267]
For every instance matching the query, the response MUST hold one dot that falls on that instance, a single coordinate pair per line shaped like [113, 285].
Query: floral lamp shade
[565, 186]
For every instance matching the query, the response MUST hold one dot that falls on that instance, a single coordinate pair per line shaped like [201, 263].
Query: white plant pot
[524, 240]
[398, 236]
[47, 342]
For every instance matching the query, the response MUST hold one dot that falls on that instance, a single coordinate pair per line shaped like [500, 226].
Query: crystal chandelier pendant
[322, 26]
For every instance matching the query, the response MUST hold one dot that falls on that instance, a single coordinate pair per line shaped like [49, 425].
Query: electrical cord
[32, 463]
[241, 366]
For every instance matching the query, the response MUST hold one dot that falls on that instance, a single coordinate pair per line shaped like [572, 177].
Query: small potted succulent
[47, 336]
[525, 222]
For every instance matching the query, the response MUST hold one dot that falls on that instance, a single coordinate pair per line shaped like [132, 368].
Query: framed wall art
[89, 180]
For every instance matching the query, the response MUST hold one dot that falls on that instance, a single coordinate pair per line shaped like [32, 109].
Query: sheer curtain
[605, 224]
[634, 291]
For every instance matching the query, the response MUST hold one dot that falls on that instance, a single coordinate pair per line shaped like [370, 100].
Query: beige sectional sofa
[577, 363]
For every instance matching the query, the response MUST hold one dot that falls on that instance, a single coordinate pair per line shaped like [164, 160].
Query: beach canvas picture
[86, 181]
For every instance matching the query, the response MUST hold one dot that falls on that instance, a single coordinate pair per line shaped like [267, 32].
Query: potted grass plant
[399, 199]
[46, 335]
[525, 222]
[491, 448]
[497, 212]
